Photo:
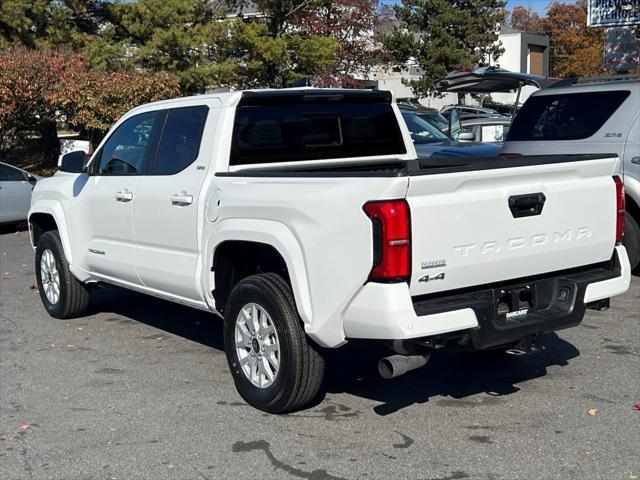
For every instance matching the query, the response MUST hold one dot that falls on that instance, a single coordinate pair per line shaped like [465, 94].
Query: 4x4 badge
[427, 278]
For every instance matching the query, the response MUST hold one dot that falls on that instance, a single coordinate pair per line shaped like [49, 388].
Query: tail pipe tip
[396, 365]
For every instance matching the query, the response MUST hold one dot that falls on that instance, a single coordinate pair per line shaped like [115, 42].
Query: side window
[125, 151]
[566, 116]
[10, 174]
[180, 142]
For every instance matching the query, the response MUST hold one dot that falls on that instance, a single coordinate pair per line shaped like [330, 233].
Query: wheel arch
[260, 237]
[46, 216]
[633, 208]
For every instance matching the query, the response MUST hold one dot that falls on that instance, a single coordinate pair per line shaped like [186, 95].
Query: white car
[306, 220]
[591, 115]
[486, 130]
[15, 193]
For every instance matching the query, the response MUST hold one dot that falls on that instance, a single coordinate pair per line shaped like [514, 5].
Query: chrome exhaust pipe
[396, 365]
[516, 352]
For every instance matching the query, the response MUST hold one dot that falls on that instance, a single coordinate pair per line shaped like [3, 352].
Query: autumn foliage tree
[39, 87]
[575, 49]
[352, 23]
[29, 91]
[93, 100]
[525, 19]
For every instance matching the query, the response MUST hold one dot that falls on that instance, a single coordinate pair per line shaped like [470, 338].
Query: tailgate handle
[526, 205]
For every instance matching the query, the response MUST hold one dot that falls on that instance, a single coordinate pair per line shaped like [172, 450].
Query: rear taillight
[391, 240]
[619, 209]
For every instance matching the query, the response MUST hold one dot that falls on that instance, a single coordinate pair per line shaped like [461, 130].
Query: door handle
[636, 160]
[526, 205]
[124, 196]
[181, 199]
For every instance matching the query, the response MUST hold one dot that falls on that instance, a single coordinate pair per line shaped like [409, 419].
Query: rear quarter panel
[324, 219]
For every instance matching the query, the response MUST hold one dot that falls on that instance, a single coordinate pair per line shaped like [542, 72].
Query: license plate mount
[514, 304]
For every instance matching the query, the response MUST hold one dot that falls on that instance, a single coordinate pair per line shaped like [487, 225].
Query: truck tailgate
[491, 220]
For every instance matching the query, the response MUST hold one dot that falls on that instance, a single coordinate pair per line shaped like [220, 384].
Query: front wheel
[62, 294]
[274, 366]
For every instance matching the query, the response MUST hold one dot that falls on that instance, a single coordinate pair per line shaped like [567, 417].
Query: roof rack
[613, 78]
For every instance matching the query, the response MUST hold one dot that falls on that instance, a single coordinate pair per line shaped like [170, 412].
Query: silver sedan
[15, 193]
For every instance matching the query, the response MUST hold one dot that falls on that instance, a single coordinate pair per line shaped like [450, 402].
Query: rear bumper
[558, 300]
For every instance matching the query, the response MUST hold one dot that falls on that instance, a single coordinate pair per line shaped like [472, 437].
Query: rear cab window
[569, 116]
[296, 127]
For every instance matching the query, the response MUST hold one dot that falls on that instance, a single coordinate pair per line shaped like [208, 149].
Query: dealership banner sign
[613, 13]
[621, 49]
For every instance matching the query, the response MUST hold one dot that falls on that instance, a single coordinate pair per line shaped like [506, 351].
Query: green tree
[444, 35]
[197, 42]
[276, 50]
[24, 22]
[177, 36]
[53, 23]
[266, 61]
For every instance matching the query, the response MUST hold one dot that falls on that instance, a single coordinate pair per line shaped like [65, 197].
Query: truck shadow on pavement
[195, 325]
[450, 379]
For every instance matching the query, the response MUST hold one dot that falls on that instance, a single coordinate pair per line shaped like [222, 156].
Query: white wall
[511, 59]
[395, 85]
[393, 82]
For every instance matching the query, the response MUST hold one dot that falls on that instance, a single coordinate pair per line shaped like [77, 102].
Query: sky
[539, 6]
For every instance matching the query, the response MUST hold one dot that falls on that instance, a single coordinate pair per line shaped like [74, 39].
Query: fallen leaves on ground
[592, 412]
[25, 426]
[7, 275]
[637, 406]
[33, 286]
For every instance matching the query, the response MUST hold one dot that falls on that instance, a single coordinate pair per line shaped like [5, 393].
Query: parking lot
[140, 389]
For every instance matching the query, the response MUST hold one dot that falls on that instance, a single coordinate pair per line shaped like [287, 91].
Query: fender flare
[632, 188]
[280, 237]
[53, 208]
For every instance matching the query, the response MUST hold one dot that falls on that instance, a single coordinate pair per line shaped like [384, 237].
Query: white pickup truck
[304, 218]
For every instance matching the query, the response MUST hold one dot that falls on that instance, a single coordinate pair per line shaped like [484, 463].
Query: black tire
[74, 295]
[301, 365]
[631, 242]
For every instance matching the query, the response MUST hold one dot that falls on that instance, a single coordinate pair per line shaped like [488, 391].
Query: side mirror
[454, 124]
[31, 179]
[73, 162]
[467, 137]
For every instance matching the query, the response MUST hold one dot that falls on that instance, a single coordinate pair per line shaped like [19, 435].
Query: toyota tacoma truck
[305, 219]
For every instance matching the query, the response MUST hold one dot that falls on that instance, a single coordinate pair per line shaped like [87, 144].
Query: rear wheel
[274, 366]
[62, 294]
[631, 242]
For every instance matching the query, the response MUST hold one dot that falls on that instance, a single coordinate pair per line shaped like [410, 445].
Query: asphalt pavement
[140, 389]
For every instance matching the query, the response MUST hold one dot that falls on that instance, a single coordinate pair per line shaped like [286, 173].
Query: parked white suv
[591, 115]
[305, 219]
